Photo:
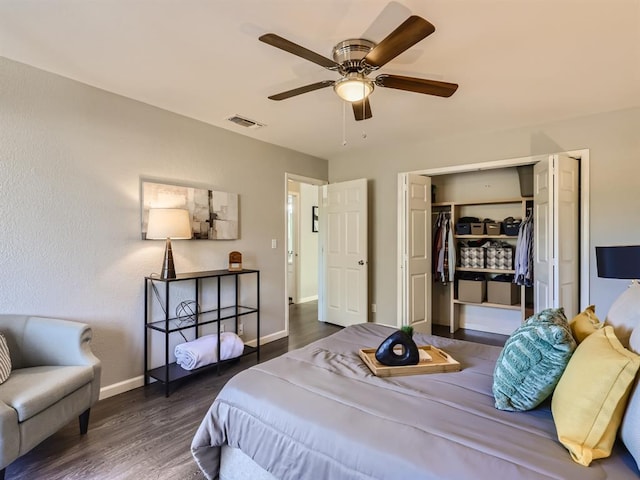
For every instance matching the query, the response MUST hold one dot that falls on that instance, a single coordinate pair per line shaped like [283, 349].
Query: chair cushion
[5, 360]
[532, 361]
[590, 399]
[29, 391]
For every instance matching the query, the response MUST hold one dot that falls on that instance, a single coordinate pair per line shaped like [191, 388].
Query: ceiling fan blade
[301, 90]
[362, 109]
[284, 44]
[410, 32]
[417, 85]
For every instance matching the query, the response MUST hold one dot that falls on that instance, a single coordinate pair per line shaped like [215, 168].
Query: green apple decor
[409, 356]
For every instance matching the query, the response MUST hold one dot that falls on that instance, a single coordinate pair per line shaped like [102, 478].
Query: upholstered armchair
[54, 378]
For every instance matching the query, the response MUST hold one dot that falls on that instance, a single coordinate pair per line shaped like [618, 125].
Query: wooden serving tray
[440, 362]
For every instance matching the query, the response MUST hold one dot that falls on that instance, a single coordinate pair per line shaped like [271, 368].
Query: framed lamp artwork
[213, 214]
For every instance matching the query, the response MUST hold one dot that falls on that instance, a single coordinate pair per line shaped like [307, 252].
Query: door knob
[361, 262]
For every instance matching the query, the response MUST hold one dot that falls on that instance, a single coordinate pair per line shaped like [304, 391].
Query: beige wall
[71, 159]
[308, 244]
[614, 146]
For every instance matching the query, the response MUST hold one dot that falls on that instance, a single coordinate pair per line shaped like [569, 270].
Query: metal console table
[169, 324]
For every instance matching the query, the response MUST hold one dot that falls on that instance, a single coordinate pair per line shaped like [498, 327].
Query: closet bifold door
[556, 234]
[417, 252]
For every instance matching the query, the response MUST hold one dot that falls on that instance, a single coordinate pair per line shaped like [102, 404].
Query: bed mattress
[319, 413]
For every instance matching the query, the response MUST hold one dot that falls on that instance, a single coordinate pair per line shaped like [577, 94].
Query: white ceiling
[518, 62]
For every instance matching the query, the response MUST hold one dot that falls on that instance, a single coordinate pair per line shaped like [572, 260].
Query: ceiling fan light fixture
[353, 88]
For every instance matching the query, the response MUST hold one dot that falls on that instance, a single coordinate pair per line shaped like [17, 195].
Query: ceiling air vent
[245, 122]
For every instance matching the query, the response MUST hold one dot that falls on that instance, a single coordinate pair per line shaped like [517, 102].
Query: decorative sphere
[187, 310]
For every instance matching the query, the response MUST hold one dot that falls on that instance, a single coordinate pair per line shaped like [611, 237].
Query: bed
[319, 413]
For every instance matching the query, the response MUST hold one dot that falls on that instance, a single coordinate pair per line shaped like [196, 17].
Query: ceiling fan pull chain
[344, 124]
[364, 109]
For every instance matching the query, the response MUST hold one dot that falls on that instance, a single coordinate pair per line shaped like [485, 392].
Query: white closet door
[556, 234]
[417, 195]
[543, 268]
[567, 238]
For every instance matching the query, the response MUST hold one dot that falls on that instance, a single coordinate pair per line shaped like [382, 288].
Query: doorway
[339, 272]
[302, 248]
[293, 234]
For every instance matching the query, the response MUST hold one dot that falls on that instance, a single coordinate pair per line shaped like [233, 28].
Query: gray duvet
[319, 413]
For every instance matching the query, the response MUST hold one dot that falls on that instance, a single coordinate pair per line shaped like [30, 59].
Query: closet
[485, 255]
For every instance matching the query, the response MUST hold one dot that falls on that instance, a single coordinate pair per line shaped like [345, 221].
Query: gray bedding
[319, 413]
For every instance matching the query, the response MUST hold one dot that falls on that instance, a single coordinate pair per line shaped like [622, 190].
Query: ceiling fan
[355, 59]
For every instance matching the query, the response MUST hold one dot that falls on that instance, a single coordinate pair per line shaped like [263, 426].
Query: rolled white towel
[232, 345]
[204, 350]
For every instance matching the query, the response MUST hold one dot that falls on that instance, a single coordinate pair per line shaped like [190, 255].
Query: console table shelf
[176, 372]
[204, 318]
[169, 324]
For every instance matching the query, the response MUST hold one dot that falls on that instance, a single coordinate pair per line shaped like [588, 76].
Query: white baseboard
[423, 327]
[482, 327]
[135, 382]
[121, 387]
[386, 324]
[269, 338]
[308, 299]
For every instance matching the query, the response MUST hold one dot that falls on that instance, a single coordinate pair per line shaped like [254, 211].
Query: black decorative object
[409, 356]
[314, 219]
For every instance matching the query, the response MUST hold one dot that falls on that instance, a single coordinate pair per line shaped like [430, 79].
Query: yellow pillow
[591, 396]
[585, 323]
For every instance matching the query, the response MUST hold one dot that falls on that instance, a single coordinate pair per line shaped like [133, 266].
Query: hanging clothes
[444, 252]
[524, 253]
[452, 252]
[437, 242]
[443, 259]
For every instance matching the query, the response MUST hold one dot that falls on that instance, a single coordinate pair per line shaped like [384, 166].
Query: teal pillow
[532, 361]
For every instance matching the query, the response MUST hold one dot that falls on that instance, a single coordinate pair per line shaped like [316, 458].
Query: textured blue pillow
[532, 361]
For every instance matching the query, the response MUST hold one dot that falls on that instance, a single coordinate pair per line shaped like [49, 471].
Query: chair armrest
[53, 341]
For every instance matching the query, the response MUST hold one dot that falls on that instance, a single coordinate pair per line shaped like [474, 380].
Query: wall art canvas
[214, 214]
[314, 219]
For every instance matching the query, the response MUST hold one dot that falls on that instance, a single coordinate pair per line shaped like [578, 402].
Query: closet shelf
[483, 202]
[505, 237]
[487, 304]
[504, 317]
[484, 270]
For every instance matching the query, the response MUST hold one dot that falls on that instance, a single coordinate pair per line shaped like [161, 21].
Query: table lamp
[168, 223]
[622, 262]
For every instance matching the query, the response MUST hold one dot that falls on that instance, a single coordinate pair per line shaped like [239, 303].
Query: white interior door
[556, 237]
[417, 252]
[343, 230]
[292, 246]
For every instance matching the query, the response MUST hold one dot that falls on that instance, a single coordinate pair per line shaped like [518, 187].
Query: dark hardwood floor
[304, 326]
[470, 335]
[140, 434]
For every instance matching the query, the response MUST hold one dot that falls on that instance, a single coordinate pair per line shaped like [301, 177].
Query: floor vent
[245, 122]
